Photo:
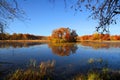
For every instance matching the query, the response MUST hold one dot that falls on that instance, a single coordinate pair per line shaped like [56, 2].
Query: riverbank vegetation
[59, 35]
[99, 37]
[46, 71]
[20, 36]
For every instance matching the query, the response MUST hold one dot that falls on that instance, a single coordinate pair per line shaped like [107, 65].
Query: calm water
[69, 58]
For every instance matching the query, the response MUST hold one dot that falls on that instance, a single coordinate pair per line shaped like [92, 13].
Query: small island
[62, 35]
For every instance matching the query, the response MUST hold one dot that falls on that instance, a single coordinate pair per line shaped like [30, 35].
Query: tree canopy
[64, 35]
[21, 36]
[105, 11]
[9, 10]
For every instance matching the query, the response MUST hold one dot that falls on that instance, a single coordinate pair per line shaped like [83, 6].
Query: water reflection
[63, 49]
[18, 44]
[40, 59]
[5, 67]
[99, 45]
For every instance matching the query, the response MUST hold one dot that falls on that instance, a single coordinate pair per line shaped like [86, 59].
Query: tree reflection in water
[63, 49]
[18, 44]
[100, 45]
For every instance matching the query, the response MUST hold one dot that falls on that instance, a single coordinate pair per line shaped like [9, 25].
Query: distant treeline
[96, 36]
[21, 36]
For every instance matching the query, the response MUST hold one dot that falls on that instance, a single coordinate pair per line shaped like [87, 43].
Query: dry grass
[43, 72]
[24, 40]
[98, 41]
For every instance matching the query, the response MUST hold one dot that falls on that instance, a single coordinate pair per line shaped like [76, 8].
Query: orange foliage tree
[21, 36]
[64, 35]
[97, 36]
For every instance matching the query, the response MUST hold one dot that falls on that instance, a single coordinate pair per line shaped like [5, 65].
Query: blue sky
[45, 17]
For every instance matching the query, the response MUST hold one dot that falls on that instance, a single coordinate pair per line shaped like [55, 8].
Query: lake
[69, 58]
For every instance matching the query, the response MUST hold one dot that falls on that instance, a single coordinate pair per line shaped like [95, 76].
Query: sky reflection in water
[70, 57]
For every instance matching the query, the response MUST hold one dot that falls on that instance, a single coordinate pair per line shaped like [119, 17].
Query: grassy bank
[118, 41]
[24, 40]
[98, 41]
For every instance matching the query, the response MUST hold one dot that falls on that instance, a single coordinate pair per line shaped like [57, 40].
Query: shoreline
[45, 41]
[24, 41]
[99, 41]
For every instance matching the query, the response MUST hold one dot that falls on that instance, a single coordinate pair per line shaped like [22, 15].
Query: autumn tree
[64, 35]
[85, 37]
[115, 37]
[105, 37]
[96, 36]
